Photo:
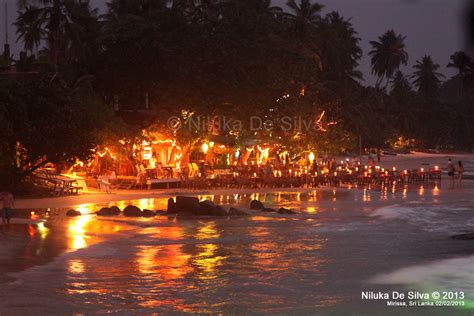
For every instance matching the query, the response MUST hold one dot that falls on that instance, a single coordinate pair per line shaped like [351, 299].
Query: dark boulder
[283, 210]
[256, 205]
[237, 212]
[219, 211]
[465, 236]
[115, 210]
[171, 206]
[108, 211]
[267, 209]
[148, 213]
[132, 211]
[186, 205]
[73, 213]
[206, 207]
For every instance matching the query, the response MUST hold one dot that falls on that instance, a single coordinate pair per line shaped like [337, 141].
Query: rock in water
[132, 211]
[115, 210]
[219, 211]
[108, 211]
[283, 210]
[465, 236]
[186, 205]
[256, 205]
[207, 208]
[148, 213]
[237, 212]
[171, 206]
[73, 213]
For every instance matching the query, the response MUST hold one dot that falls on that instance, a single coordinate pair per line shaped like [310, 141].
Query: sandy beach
[401, 162]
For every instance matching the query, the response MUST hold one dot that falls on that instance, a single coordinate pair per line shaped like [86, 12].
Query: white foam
[401, 212]
[450, 274]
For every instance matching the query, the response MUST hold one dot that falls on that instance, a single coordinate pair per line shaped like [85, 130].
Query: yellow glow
[311, 210]
[311, 157]
[76, 266]
[205, 148]
[77, 233]
[44, 231]
[86, 208]
[147, 153]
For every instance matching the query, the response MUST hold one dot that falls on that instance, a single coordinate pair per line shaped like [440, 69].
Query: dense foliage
[233, 58]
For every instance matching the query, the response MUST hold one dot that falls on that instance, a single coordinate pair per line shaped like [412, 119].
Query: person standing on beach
[451, 173]
[8, 205]
[460, 171]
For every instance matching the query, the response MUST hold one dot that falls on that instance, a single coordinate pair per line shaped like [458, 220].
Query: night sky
[433, 27]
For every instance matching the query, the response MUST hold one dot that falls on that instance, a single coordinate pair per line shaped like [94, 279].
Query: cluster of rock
[190, 206]
[257, 205]
[184, 206]
[128, 211]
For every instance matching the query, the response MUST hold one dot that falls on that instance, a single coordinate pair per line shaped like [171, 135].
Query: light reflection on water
[265, 263]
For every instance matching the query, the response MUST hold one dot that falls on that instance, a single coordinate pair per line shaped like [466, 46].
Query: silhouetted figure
[451, 170]
[459, 171]
[7, 207]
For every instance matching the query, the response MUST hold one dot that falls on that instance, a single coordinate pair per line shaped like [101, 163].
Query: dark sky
[432, 27]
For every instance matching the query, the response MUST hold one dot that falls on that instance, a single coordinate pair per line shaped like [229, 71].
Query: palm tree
[426, 78]
[59, 22]
[387, 55]
[462, 62]
[400, 83]
[340, 49]
[29, 28]
[305, 15]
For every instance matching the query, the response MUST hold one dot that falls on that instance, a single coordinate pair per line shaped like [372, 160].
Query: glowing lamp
[205, 148]
[147, 153]
[311, 157]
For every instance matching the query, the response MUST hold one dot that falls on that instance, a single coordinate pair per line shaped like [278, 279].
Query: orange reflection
[207, 231]
[77, 233]
[208, 261]
[312, 210]
[168, 262]
[76, 266]
[43, 230]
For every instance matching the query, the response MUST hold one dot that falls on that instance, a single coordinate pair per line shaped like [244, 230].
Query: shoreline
[401, 161]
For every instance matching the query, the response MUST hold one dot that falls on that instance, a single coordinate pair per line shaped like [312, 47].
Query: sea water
[319, 261]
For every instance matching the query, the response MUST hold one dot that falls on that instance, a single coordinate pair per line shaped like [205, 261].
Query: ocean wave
[455, 274]
[398, 211]
[428, 217]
